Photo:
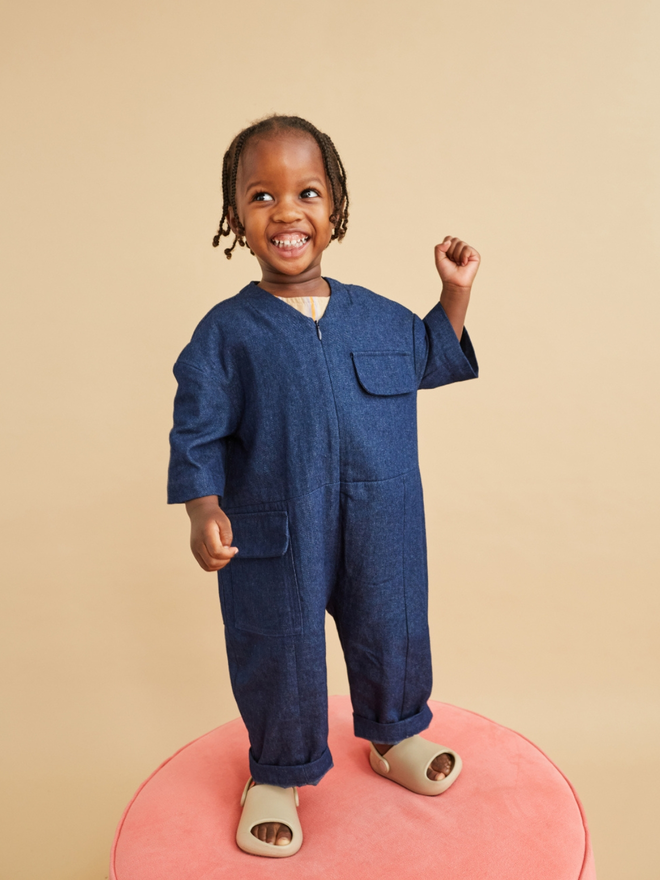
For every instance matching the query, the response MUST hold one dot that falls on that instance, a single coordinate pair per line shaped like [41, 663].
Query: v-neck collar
[338, 295]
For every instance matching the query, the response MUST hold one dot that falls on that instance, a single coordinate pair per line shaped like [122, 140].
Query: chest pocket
[385, 373]
[259, 591]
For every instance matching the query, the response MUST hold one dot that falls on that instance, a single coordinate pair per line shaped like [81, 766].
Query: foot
[440, 767]
[273, 832]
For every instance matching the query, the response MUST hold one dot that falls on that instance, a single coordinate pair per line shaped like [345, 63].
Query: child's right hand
[210, 533]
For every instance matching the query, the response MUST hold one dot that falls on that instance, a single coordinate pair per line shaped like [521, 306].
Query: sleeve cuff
[448, 359]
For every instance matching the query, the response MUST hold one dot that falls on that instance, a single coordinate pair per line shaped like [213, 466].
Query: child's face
[284, 202]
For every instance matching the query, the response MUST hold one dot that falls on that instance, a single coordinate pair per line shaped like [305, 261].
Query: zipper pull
[318, 330]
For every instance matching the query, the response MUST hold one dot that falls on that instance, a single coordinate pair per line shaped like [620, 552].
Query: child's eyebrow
[256, 185]
[308, 181]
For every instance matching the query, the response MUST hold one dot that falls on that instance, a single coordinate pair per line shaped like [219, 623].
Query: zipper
[314, 318]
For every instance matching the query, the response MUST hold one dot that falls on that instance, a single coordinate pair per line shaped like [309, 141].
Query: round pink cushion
[510, 815]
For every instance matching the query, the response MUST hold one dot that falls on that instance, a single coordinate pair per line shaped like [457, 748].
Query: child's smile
[284, 203]
[290, 241]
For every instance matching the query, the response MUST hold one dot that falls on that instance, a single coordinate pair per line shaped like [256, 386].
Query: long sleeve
[204, 417]
[440, 358]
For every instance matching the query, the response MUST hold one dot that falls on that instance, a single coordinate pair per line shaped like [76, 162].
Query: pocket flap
[260, 535]
[385, 372]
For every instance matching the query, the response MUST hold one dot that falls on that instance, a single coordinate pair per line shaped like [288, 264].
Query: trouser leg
[274, 612]
[281, 694]
[381, 610]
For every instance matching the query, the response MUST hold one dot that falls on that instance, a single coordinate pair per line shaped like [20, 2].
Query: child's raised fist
[456, 262]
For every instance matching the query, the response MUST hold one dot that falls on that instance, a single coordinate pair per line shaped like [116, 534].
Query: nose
[288, 209]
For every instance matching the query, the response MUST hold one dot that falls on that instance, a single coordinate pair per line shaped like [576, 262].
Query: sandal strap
[408, 761]
[268, 803]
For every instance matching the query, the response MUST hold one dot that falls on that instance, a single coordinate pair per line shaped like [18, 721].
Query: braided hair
[275, 124]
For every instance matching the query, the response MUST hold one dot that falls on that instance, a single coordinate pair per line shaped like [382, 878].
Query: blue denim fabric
[308, 435]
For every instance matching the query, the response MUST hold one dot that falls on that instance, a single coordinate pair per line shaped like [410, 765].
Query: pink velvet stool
[511, 814]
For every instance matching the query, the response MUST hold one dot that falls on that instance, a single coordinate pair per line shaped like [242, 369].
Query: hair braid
[226, 171]
[334, 168]
[337, 179]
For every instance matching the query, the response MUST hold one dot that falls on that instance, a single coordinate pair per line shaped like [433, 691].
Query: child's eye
[310, 194]
[262, 197]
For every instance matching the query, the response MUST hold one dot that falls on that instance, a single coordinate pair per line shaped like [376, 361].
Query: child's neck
[317, 286]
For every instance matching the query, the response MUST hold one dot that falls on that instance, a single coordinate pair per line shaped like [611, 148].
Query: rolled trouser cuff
[389, 734]
[287, 777]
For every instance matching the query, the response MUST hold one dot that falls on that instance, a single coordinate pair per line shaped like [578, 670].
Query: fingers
[212, 548]
[456, 250]
[441, 249]
[215, 561]
[226, 534]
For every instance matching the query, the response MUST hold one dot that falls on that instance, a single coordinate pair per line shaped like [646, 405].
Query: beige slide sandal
[408, 761]
[268, 803]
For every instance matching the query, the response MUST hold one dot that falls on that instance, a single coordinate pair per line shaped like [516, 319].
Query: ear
[231, 217]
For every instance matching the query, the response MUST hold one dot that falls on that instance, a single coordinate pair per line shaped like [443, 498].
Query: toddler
[294, 448]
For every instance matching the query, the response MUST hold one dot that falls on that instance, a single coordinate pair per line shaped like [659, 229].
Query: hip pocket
[259, 588]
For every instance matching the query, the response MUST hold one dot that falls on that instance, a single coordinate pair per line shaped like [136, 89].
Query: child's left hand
[456, 262]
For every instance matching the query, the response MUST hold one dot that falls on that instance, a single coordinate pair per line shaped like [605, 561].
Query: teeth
[291, 243]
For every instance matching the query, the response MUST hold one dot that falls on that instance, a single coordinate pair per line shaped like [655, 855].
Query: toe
[273, 833]
[441, 767]
[261, 832]
[283, 836]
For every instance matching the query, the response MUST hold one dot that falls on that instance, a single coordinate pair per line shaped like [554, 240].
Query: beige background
[530, 129]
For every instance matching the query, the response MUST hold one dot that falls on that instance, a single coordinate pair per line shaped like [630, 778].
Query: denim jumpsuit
[307, 432]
